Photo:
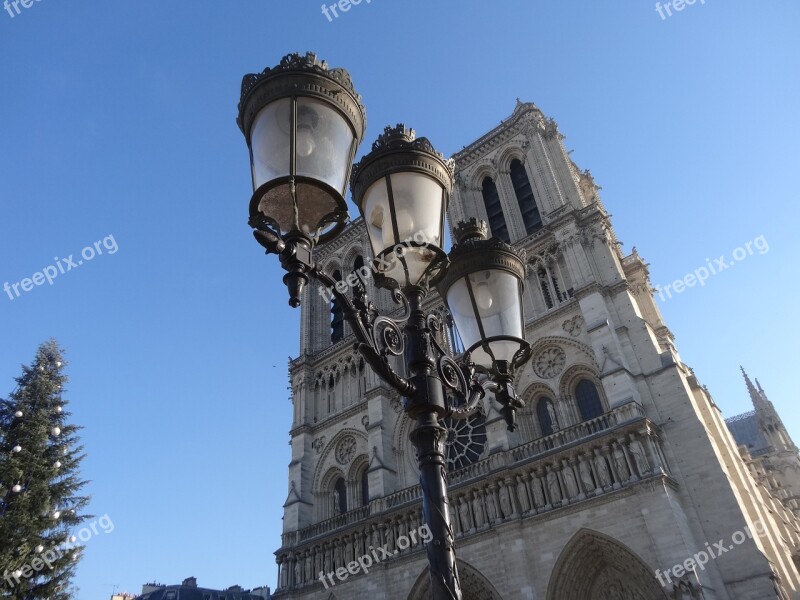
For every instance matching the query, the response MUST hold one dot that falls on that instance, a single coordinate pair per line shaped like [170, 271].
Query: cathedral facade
[622, 480]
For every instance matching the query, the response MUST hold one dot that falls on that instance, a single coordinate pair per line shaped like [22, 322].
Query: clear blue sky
[117, 118]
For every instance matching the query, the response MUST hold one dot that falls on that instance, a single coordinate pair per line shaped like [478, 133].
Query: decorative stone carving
[365, 421]
[318, 444]
[505, 501]
[491, 506]
[585, 472]
[463, 511]
[637, 452]
[620, 463]
[478, 511]
[549, 362]
[396, 405]
[553, 487]
[569, 480]
[573, 326]
[538, 494]
[346, 449]
[522, 495]
[601, 468]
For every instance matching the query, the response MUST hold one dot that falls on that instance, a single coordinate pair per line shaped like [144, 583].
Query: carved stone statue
[477, 510]
[585, 473]
[522, 495]
[505, 501]
[309, 566]
[337, 554]
[601, 468]
[326, 557]
[621, 464]
[318, 566]
[569, 481]
[285, 572]
[463, 511]
[376, 536]
[389, 536]
[538, 494]
[552, 414]
[637, 451]
[298, 570]
[553, 488]
[491, 506]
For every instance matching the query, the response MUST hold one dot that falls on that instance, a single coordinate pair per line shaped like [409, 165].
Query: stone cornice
[499, 135]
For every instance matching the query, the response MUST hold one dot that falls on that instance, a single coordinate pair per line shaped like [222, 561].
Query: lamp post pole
[303, 123]
[427, 407]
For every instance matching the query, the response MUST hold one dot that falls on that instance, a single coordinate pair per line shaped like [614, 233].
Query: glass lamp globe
[303, 123]
[483, 291]
[402, 188]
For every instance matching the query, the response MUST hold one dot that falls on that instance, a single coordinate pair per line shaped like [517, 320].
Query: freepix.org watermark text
[712, 551]
[375, 556]
[380, 264]
[701, 274]
[46, 558]
[61, 267]
[12, 6]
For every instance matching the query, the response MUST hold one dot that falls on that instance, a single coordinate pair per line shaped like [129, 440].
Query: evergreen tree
[40, 501]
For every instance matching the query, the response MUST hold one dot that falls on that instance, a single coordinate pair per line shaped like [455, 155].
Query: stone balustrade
[585, 461]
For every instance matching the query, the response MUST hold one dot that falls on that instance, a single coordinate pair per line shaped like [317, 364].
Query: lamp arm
[378, 336]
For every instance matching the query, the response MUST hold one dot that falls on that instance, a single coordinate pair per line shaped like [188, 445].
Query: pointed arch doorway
[593, 566]
[474, 586]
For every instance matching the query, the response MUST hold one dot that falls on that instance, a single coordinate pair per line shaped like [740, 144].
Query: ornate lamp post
[303, 123]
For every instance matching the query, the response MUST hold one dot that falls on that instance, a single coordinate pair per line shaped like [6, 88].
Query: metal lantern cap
[298, 75]
[398, 149]
[473, 252]
[302, 122]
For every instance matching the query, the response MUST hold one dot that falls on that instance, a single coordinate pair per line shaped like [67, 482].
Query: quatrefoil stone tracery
[550, 362]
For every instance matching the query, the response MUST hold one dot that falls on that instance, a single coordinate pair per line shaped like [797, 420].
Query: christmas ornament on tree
[45, 501]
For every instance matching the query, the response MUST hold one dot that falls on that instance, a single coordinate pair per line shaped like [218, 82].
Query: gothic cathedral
[623, 480]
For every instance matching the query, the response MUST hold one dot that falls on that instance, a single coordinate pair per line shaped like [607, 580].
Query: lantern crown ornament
[302, 122]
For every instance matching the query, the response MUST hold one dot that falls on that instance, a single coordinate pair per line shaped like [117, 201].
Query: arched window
[339, 497]
[362, 379]
[331, 394]
[337, 315]
[358, 266]
[525, 198]
[545, 411]
[544, 285]
[364, 487]
[494, 210]
[588, 398]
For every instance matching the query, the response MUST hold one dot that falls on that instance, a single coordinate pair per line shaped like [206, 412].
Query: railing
[500, 489]
[337, 522]
[539, 448]
[579, 432]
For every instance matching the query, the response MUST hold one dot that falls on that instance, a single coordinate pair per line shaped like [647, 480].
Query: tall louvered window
[494, 210]
[524, 192]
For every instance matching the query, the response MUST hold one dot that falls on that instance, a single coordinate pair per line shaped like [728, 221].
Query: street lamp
[303, 123]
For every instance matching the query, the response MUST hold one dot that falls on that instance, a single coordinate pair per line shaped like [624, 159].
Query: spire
[755, 397]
